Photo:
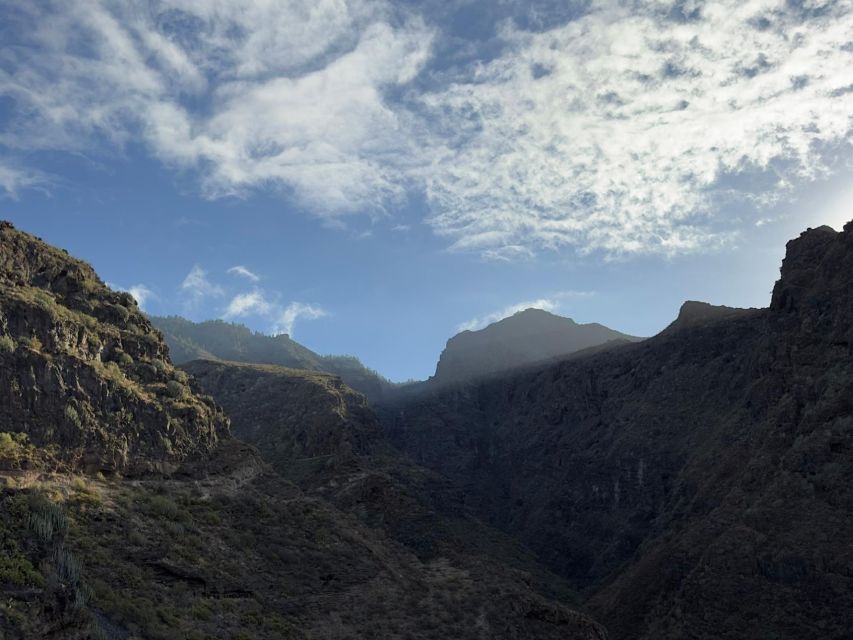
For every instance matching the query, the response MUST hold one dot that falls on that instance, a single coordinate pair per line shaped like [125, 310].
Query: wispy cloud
[14, 178]
[140, 293]
[550, 303]
[240, 270]
[243, 304]
[618, 131]
[196, 287]
[626, 130]
[295, 91]
[282, 319]
[295, 311]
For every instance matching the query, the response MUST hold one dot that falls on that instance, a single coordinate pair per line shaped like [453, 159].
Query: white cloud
[546, 304]
[288, 316]
[625, 131]
[14, 178]
[621, 131]
[196, 287]
[551, 303]
[240, 270]
[282, 318]
[294, 91]
[244, 304]
[140, 293]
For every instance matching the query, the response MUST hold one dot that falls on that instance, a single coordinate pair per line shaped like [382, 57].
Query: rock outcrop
[85, 374]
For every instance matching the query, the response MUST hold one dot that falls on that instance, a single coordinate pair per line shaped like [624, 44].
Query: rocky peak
[525, 338]
[813, 293]
[694, 313]
[84, 374]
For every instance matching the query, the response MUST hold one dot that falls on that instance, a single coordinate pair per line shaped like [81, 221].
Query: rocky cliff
[528, 337]
[325, 438]
[84, 374]
[697, 484]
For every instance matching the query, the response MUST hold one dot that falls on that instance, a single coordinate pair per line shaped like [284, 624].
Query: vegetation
[219, 340]
[14, 448]
[7, 343]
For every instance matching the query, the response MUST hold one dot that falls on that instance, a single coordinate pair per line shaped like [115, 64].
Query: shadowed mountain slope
[219, 340]
[697, 484]
[528, 337]
[324, 437]
[204, 540]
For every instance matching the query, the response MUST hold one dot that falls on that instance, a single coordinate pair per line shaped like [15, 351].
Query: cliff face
[530, 336]
[324, 437]
[697, 484]
[84, 374]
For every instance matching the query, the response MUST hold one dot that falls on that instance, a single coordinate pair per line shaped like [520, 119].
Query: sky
[371, 177]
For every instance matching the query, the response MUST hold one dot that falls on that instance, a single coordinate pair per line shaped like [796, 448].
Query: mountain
[325, 438]
[84, 374]
[128, 510]
[528, 337]
[219, 340]
[696, 484]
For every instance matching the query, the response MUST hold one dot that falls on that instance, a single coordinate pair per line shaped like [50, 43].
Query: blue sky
[371, 176]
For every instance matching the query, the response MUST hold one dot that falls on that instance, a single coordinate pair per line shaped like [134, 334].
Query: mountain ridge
[526, 338]
[137, 514]
[231, 342]
[696, 484]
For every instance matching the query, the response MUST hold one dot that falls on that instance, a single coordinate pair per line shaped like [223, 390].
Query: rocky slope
[697, 484]
[178, 530]
[323, 436]
[218, 340]
[528, 337]
[83, 372]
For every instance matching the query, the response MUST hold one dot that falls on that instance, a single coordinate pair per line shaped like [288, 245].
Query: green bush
[47, 519]
[124, 359]
[14, 446]
[31, 343]
[175, 389]
[6, 343]
[122, 313]
[72, 416]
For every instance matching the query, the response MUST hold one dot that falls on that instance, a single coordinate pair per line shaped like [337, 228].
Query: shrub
[6, 343]
[31, 343]
[124, 359]
[122, 313]
[72, 416]
[15, 568]
[47, 520]
[14, 446]
[175, 389]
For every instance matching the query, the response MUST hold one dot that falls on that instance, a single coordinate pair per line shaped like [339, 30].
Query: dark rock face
[84, 372]
[528, 337]
[218, 340]
[698, 484]
[291, 414]
[319, 434]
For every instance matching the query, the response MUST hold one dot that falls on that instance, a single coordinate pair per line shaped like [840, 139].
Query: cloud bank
[638, 127]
